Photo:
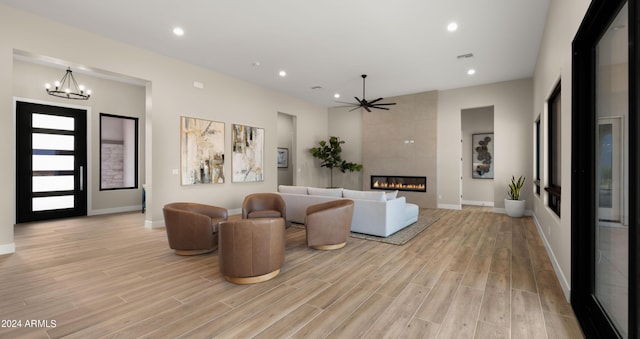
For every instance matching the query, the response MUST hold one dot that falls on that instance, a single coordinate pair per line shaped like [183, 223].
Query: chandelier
[64, 89]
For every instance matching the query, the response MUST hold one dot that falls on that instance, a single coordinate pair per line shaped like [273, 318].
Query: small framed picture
[283, 157]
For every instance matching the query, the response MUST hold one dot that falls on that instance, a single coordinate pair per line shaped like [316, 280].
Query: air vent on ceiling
[465, 56]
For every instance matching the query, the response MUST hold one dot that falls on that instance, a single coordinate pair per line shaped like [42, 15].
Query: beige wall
[512, 105]
[170, 94]
[7, 149]
[109, 97]
[554, 64]
[348, 127]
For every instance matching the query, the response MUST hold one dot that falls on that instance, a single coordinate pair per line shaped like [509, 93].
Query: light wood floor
[472, 274]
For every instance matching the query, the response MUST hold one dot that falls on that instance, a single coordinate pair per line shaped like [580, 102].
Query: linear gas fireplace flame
[400, 183]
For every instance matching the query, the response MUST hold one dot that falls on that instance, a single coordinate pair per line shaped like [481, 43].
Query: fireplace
[400, 183]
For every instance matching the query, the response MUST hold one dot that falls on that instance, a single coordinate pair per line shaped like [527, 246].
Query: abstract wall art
[482, 156]
[201, 151]
[247, 150]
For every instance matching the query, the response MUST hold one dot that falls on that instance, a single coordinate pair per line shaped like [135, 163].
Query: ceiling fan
[367, 104]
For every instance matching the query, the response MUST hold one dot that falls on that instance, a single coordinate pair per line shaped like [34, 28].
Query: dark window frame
[554, 145]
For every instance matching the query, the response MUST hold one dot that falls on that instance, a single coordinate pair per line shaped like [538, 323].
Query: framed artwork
[201, 151]
[247, 151]
[482, 161]
[283, 157]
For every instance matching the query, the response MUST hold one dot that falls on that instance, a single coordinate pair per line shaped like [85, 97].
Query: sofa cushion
[391, 195]
[364, 195]
[292, 189]
[325, 192]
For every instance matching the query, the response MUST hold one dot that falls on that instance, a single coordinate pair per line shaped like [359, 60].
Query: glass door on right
[611, 285]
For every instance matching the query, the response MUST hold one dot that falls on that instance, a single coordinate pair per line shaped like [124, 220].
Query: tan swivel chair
[192, 228]
[328, 224]
[263, 205]
[251, 250]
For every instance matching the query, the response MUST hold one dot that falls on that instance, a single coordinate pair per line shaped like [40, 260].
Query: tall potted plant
[513, 204]
[329, 154]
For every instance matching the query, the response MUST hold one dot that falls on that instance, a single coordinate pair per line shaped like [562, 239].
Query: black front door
[51, 162]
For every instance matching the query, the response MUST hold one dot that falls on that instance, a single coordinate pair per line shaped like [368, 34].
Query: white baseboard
[528, 213]
[556, 267]
[8, 248]
[154, 224]
[450, 207]
[115, 210]
[477, 203]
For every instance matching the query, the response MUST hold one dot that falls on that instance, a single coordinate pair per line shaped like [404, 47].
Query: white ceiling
[403, 45]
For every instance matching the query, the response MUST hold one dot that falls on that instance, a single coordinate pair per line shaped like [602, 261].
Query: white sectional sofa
[376, 213]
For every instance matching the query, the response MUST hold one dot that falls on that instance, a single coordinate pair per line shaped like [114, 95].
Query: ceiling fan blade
[376, 107]
[359, 101]
[367, 108]
[372, 101]
[355, 108]
[390, 103]
[348, 103]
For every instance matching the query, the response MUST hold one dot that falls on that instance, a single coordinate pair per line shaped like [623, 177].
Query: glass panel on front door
[52, 171]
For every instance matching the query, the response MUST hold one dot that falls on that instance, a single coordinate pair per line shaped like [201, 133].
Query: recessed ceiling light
[178, 31]
[282, 73]
[337, 95]
[471, 71]
[452, 27]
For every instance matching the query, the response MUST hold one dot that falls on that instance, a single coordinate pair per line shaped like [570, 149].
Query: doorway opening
[286, 149]
[477, 184]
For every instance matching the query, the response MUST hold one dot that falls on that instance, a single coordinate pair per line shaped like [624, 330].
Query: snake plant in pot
[513, 204]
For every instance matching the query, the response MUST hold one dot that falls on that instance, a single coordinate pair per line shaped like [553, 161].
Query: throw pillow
[364, 195]
[391, 195]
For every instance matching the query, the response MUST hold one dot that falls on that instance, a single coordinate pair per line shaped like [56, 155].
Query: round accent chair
[251, 250]
[192, 228]
[328, 224]
[263, 205]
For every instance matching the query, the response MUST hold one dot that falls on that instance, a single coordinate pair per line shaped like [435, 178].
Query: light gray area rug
[404, 235]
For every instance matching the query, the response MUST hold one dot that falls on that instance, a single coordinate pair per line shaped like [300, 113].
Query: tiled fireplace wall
[402, 142]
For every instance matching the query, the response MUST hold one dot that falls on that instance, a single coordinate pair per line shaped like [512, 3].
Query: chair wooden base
[252, 280]
[329, 247]
[195, 252]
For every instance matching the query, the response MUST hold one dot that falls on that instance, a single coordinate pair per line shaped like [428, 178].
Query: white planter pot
[515, 208]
